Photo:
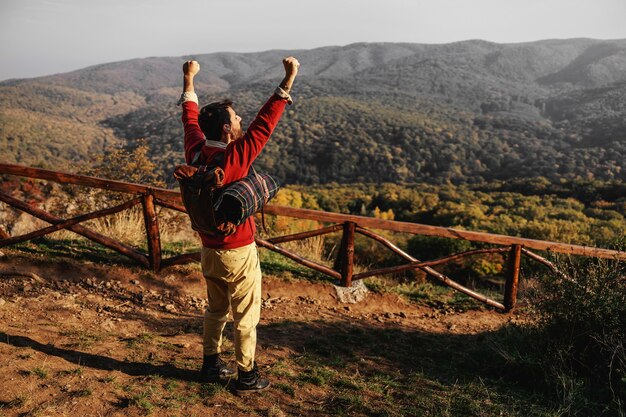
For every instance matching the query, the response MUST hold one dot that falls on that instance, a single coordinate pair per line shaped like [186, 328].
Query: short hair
[213, 117]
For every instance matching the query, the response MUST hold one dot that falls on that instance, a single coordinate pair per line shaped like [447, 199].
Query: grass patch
[347, 384]
[430, 294]
[68, 372]
[179, 247]
[82, 338]
[211, 390]
[171, 386]
[142, 401]
[40, 372]
[286, 388]
[24, 356]
[85, 392]
[280, 369]
[347, 404]
[109, 379]
[76, 249]
[16, 402]
[273, 263]
[319, 376]
[140, 340]
[374, 371]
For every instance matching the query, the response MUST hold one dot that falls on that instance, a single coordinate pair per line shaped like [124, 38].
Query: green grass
[280, 368]
[140, 340]
[78, 249]
[286, 388]
[82, 338]
[273, 263]
[210, 390]
[319, 376]
[433, 294]
[40, 372]
[142, 402]
[109, 379]
[71, 372]
[25, 356]
[179, 247]
[85, 392]
[171, 386]
[366, 371]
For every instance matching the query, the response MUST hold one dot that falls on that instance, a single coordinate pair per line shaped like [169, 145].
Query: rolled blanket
[241, 199]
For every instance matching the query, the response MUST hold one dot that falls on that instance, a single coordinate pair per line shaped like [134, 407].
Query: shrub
[582, 330]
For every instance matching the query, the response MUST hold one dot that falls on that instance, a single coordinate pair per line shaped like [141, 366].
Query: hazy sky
[41, 37]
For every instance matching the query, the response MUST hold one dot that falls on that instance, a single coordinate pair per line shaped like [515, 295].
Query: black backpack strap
[218, 160]
[197, 152]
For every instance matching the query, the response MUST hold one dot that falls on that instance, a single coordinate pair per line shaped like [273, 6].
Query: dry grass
[311, 248]
[127, 226]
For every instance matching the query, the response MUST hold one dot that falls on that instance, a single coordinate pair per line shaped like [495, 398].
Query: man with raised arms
[230, 264]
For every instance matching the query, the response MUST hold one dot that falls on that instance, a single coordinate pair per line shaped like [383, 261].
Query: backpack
[217, 210]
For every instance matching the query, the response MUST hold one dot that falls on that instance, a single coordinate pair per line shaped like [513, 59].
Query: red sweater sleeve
[193, 133]
[241, 153]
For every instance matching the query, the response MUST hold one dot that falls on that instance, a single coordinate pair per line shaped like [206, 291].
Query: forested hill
[460, 112]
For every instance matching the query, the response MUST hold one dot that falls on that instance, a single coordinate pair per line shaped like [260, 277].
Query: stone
[2, 302]
[171, 308]
[353, 294]
[134, 281]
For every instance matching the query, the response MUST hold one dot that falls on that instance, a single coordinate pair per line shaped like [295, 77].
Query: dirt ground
[84, 339]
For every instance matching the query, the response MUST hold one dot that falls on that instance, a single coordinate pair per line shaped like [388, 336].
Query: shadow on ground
[446, 358]
[98, 361]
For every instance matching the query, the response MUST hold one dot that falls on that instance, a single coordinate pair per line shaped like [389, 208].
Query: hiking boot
[214, 369]
[248, 382]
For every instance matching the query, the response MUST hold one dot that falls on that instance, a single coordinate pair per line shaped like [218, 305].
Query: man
[230, 264]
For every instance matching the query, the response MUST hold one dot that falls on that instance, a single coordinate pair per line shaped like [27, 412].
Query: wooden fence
[150, 197]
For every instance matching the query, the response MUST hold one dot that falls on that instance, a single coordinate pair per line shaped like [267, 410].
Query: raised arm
[241, 153]
[189, 100]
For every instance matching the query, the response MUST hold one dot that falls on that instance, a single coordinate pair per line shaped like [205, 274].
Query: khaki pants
[233, 278]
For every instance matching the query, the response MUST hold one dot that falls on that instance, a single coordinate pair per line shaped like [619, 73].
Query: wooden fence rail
[349, 225]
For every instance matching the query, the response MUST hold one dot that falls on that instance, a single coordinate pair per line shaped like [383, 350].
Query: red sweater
[238, 156]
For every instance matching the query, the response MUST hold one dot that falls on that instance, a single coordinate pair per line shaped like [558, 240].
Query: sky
[41, 37]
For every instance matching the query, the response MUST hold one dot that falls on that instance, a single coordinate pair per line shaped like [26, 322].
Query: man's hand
[191, 68]
[291, 65]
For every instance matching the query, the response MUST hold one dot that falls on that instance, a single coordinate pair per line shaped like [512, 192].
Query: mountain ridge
[531, 106]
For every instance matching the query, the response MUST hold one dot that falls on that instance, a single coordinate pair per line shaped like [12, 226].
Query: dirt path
[111, 341]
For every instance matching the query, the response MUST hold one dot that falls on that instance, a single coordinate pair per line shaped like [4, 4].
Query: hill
[462, 112]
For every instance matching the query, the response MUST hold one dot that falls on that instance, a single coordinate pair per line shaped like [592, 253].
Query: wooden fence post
[152, 231]
[512, 279]
[347, 253]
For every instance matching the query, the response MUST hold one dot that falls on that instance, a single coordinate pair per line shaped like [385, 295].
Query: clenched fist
[291, 65]
[191, 68]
